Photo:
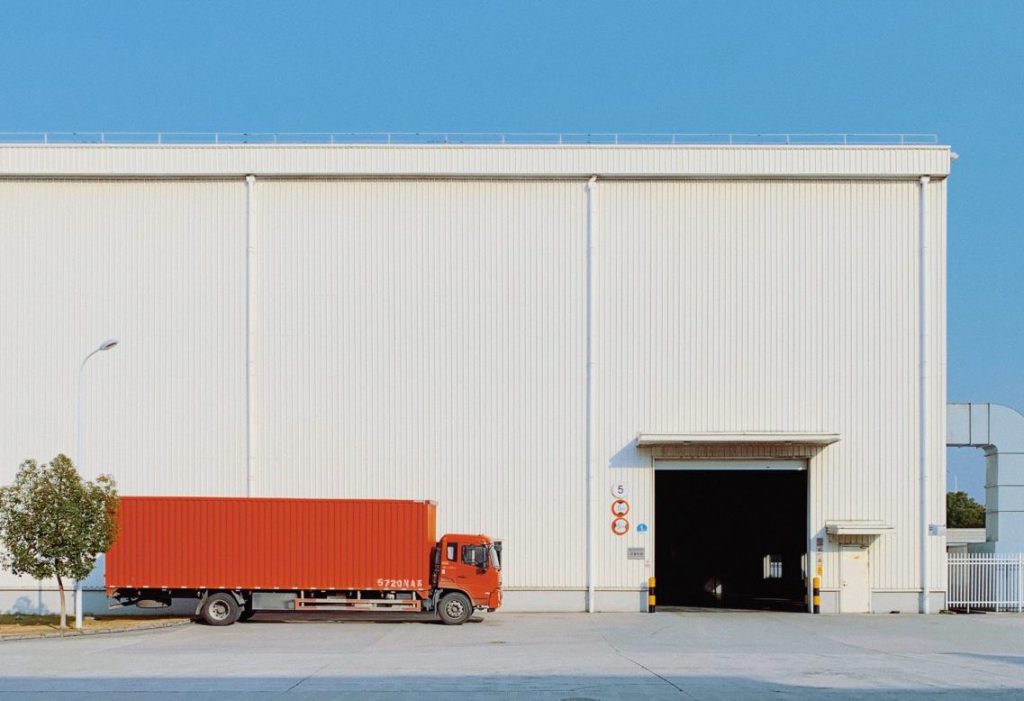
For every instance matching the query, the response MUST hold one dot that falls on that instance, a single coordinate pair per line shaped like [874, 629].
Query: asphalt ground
[667, 655]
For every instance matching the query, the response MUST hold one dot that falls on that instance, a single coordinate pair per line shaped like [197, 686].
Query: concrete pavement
[668, 655]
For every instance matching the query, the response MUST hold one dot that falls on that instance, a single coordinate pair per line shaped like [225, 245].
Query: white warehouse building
[731, 338]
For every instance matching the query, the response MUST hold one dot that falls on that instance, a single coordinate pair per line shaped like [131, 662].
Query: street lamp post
[106, 345]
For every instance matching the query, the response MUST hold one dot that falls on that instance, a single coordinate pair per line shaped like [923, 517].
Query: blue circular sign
[641, 528]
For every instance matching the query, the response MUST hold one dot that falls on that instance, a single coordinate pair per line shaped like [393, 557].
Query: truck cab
[468, 575]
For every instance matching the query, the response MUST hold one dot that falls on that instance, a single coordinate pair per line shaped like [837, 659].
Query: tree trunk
[63, 607]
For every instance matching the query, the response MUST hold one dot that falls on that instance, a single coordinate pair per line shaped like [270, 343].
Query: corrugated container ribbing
[237, 543]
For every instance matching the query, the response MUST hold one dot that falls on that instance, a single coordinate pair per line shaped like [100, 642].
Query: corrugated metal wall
[773, 306]
[424, 338]
[160, 266]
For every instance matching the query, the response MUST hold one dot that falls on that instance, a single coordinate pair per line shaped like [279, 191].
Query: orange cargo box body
[239, 543]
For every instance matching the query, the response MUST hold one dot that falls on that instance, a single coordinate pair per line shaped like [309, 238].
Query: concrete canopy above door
[857, 528]
[652, 440]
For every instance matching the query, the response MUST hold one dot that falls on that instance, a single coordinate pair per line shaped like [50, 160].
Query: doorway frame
[805, 460]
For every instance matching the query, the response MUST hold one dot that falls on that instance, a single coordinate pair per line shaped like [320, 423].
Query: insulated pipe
[591, 229]
[923, 388]
[250, 364]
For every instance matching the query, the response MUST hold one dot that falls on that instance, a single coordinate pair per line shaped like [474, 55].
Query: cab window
[474, 555]
[452, 550]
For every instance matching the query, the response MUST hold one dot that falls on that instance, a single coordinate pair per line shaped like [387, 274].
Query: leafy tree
[962, 511]
[54, 524]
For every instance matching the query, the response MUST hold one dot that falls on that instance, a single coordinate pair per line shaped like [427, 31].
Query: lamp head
[108, 344]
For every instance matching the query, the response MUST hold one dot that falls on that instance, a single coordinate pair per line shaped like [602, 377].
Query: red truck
[241, 556]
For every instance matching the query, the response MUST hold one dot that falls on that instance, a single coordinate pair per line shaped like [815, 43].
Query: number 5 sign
[620, 491]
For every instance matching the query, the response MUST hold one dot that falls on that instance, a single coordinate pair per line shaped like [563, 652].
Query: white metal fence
[986, 581]
[474, 138]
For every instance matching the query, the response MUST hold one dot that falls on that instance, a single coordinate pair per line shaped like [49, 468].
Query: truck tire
[220, 609]
[454, 609]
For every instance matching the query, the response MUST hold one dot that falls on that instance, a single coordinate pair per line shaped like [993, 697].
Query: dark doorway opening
[731, 538]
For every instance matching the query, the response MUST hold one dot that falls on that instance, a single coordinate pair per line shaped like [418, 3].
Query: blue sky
[951, 68]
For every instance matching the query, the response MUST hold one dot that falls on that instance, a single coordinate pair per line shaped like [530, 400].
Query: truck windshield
[495, 559]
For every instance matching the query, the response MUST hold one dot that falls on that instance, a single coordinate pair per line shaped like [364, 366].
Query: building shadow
[460, 685]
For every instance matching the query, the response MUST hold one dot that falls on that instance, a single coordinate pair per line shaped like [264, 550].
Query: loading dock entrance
[731, 533]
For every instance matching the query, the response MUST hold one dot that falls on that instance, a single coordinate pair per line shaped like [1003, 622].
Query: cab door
[452, 574]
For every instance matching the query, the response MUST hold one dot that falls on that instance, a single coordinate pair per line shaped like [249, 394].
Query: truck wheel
[219, 609]
[454, 609]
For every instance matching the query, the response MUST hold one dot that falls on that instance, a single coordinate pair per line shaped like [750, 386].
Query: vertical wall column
[250, 341]
[589, 411]
[923, 312]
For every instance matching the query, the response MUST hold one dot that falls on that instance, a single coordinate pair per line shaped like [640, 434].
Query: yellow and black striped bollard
[817, 594]
[650, 595]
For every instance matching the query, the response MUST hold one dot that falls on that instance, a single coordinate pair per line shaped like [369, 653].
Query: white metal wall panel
[771, 306]
[503, 161]
[158, 265]
[424, 339]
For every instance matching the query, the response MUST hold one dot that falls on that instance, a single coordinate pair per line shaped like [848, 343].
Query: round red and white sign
[620, 507]
[620, 526]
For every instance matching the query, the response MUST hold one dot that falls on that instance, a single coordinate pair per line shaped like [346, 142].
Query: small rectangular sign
[635, 554]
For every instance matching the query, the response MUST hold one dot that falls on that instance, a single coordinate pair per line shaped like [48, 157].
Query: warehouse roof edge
[535, 161]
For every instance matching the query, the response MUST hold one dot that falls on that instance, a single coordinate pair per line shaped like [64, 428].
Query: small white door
[855, 580]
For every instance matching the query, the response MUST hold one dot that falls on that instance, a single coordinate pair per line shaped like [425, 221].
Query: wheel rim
[219, 610]
[455, 608]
